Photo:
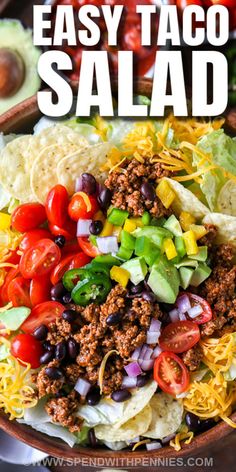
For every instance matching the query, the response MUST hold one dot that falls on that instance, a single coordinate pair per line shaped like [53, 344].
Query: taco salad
[118, 280]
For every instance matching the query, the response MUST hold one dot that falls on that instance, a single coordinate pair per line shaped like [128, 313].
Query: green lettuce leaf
[12, 319]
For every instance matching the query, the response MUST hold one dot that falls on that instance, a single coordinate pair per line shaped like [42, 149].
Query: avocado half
[14, 38]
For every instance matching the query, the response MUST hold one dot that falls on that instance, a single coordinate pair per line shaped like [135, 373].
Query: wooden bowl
[21, 119]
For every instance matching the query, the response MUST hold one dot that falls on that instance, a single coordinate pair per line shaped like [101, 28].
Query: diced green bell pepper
[142, 246]
[124, 253]
[117, 217]
[180, 246]
[127, 240]
[146, 218]
[153, 255]
[106, 260]
[154, 233]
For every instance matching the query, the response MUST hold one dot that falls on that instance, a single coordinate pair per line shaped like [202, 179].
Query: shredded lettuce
[82, 436]
[12, 319]
[86, 130]
[4, 352]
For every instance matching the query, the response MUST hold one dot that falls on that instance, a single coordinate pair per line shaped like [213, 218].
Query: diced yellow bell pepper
[117, 232]
[129, 225]
[107, 229]
[137, 221]
[99, 216]
[5, 221]
[169, 249]
[199, 231]
[165, 193]
[190, 243]
[120, 275]
[186, 220]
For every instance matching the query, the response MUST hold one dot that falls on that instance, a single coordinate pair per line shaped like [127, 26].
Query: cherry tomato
[27, 349]
[44, 313]
[14, 272]
[31, 237]
[28, 216]
[18, 292]
[79, 260]
[170, 373]
[40, 290]
[179, 336]
[82, 207]
[88, 248]
[56, 205]
[14, 258]
[225, 3]
[68, 230]
[184, 3]
[40, 259]
[70, 248]
[206, 315]
[72, 261]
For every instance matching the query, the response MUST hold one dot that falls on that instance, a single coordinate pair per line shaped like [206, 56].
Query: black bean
[58, 291]
[54, 373]
[89, 184]
[69, 315]
[60, 351]
[206, 424]
[72, 347]
[93, 397]
[193, 422]
[67, 298]
[48, 346]
[92, 438]
[41, 332]
[46, 357]
[136, 289]
[96, 227]
[120, 395]
[141, 380]
[149, 296]
[60, 240]
[148, 191]
[114, 318]
[104, 198]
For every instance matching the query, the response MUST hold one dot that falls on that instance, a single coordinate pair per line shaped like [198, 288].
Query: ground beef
[192, 358]
[59, 331]
[45, 385]
[209, 238]
[62, 410]
[125, 183]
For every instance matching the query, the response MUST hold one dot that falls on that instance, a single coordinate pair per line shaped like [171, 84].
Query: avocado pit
[12, 72]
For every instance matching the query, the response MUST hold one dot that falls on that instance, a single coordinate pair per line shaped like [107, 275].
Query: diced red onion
[182, 317]
[155, 326]
[136, 354]
[82, 386]
[143, 351]
[183, 303]
[133, 441]
[79, 184]
[107, 244]
[152, 337]
[167, 439]
[133, 369]
[83, 227]
[129, 382]
[174, 315]
[153, 446]
[156, 352]
[182, 395]
[195, 311]
[147, 354]
[147, 364]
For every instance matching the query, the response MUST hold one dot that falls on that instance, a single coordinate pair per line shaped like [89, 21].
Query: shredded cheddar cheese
[183, 435]
[15, 392]
[103, 367]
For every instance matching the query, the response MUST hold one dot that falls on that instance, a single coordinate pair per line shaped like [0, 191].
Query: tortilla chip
[226, 226]
[88, 160]
[227, 198]
[187, 201]
[167, 414]
[136, 426]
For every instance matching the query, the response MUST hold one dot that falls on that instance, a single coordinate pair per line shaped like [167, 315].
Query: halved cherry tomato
[68, 230]
[40, 259]
[18, 292]
[170, 373]
[82, 206]
[27, 349]
[40, 290]
[13, 258]
[44, 313]
[71, 247]
[79, 260]
[225, 3]
[87, 247]
[72, 261]
[179, 336]
[32, 237]
[14, 272]
[206, 315]
[56, 205]
[28, 216]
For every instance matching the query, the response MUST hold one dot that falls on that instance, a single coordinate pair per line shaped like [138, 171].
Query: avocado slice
[200, 274]
[201, 255]
[156, 234]
[187, 263]
[137, 268]
[186, 274]
[173, 225]
[18, 40]
[164, 281]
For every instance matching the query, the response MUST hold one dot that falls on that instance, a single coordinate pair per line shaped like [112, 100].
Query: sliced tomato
[14, 272]
[27, 349]
[44, 313]
[60, 269]
[82, 206]
[18, 292]
[40, 259]
[68, 230]
[171, 374]
[40, 290]
[56, 205]
[88, 248]
[31, 237]
[206, 315]
[179, 336]
[28, 216]
[79, 260]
